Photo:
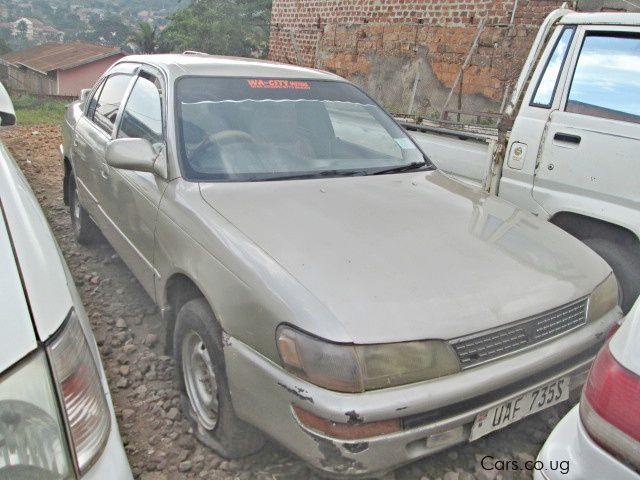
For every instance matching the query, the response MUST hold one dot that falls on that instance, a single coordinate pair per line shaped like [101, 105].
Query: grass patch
[31, 110]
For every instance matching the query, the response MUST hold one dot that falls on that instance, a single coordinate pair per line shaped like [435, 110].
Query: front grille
[470, 404]
[489, 345]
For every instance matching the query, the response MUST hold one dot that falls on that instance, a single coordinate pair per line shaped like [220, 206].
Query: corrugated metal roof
[59, 56]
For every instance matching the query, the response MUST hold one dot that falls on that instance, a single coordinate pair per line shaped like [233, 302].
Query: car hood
[410, 256]
[18, 337]
[47, 282]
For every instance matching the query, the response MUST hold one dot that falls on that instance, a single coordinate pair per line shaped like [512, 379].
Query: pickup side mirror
[131, 154]
[84, 93]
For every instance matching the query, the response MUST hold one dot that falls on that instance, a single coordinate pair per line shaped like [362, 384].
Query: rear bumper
[585, 460]
[434, 415]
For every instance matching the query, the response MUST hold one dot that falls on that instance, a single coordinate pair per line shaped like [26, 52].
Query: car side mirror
[132, 154]
[84, 93]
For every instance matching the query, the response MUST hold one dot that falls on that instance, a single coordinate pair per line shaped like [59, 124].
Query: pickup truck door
[130, 198]
[591, 142]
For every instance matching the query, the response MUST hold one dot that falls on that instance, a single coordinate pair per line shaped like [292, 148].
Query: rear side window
[546, 89]
[142, 115]
[108, 104]
[606, 82]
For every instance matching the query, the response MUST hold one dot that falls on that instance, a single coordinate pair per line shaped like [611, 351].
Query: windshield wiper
[321, 174]
[402, 168]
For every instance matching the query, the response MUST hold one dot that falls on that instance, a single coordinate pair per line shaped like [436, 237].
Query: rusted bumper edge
[434, 415]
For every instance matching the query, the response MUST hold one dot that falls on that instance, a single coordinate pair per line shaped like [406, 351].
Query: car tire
[202, 382]
[84, 230]
[625, 265]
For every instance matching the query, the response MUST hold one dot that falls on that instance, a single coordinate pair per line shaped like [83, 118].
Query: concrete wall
[71, 81]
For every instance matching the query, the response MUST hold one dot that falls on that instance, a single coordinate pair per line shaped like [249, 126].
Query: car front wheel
[202, 381]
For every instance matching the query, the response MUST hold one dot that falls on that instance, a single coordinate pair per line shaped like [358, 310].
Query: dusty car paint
[18, 338]
[389, 253]
[256, 380]
[45, 282]
[356, 260]
[37, 247]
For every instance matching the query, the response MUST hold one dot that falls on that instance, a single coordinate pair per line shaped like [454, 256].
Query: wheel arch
[65, 183]
[178, 290]
[584, 226]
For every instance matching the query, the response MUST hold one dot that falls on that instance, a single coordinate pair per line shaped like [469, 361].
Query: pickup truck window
[546, 89]
[606, 82]
[240, 129]
[108, 103]
[142, 115]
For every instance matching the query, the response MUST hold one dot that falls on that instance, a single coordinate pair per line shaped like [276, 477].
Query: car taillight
[609, 408]
[80, 389]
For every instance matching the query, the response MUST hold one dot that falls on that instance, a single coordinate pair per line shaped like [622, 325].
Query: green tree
[22, 28]
[145, 38]
[223, 27]
[4, 46]
[108, 30]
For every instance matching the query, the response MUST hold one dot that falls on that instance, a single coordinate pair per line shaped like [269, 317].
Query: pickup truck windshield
[244, 129]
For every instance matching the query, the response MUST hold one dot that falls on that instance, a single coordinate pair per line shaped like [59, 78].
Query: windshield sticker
[404, 143]
[279, 84]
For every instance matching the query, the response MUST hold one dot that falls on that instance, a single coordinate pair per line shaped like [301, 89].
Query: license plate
[519, 407]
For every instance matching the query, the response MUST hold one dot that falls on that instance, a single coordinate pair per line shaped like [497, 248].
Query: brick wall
[384, 45]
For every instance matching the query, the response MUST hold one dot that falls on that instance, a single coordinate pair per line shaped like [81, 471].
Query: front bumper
[434, 414]
[570, 443]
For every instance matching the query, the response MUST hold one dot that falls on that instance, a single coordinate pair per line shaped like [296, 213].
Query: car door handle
[567, 138]
[104, 170]
[75, 143]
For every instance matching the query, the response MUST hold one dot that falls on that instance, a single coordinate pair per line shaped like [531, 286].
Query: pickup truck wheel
[84, 230]
[203, 386]
[625, 265]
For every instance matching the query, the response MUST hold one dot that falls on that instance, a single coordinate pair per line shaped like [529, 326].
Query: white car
[56, 416]
[7, 113]
[600, 437]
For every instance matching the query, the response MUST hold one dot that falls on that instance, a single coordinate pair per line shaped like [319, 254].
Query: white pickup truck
[567, 145]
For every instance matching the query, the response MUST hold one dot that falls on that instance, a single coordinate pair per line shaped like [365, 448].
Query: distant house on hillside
[34, 29]
[56, 68]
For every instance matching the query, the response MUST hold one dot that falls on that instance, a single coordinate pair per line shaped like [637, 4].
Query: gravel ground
[129, 333]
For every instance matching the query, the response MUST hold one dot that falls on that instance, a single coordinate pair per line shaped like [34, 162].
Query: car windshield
[243, 129]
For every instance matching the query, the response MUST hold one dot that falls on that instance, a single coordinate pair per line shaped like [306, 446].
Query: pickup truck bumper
[433, 415]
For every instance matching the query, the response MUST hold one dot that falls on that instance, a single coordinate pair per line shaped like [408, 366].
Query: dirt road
[129, 333]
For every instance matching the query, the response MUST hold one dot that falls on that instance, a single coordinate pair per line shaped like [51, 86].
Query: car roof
[601, 18]
[176, 65]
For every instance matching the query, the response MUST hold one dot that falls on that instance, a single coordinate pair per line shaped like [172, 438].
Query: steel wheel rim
[200, 380]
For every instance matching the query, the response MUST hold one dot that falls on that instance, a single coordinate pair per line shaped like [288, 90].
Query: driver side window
[93, 102]
[109, 100]
[142, 115]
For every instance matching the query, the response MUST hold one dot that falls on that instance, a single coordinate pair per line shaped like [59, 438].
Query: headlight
[32, 439]
[80, 390]
[357, 368]
[603, 299]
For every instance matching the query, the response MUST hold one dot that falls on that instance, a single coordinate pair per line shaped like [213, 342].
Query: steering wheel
[213, 142]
